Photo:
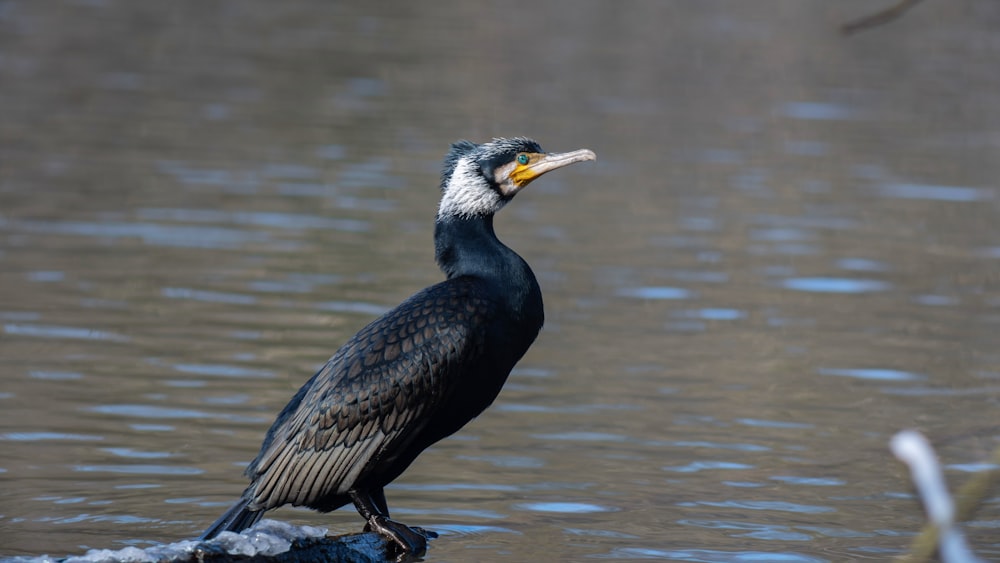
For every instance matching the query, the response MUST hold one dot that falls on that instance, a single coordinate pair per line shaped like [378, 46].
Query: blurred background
[787, 251]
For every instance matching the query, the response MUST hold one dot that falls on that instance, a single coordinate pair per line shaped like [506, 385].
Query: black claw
[410, 541]
[404, 540]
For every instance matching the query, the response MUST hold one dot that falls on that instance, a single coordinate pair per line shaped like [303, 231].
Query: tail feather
[236, 519]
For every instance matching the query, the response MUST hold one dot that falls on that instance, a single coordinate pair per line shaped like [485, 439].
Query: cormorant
[419, 372]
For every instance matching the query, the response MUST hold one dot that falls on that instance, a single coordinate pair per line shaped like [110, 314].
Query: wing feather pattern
[372, 396]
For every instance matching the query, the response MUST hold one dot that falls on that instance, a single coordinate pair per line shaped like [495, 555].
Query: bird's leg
[406, 539]
[378, 497]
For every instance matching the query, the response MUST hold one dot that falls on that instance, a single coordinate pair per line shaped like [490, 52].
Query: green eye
[522, 158]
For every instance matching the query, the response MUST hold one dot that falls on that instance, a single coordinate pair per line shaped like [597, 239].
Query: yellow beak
[540, 163]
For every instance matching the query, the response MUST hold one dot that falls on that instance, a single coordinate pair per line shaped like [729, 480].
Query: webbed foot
[409, 541]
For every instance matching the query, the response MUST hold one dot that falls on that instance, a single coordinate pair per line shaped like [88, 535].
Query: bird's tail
[236, 519]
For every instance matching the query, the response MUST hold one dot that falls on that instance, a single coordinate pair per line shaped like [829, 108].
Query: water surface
[787, 252]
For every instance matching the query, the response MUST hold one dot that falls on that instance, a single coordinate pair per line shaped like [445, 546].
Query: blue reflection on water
[238, 399]
[222, 370]
[711, 555]
[861, 265]
[753, 180]
[685, 326]
[147, 411]
[353, 307]
[698, 223]
[20, 316]
[775, 505]
[811, 481]
[973, 467]
[531, 372]
[522, 407]
[152, 411]
[599, 533]
[135, 454]
[752, 530]
[140, 469]
[582, 436]
[185, 236]
[291, 171]
[216, 112]
[331, 152]
[454, 487]
[719, 156]
[522, 462]
[806, 148]
[372, 172]
[936, 193]
[697, 466]
[991, 252]
[721, 446]
[244, 182]
[700, 276]
[873, 374]
[655, 292]
[121, 81]
[245, 335]
[74, 500]
[836, 532]
[209, 296]
[305, 189]
[55, 375]
[941, 391]
[808, 221]
[471, 530]
[271, 286]
[937, 300]
[815, 111]
[69, 332]
[773, 423]
[110, 518]
[565, 507]
[835, 285]
[715, 314]
[781, 234]
[40, 436]
[295, 221]
[46, 276]
[787, 248]
[152, 427]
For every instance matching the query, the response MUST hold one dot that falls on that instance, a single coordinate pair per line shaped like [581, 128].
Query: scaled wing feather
[362, 412]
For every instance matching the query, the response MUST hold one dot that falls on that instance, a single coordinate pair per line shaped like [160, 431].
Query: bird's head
[478, 180]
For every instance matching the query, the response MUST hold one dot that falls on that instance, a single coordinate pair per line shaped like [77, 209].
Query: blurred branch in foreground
[878, 18]
[941, 534]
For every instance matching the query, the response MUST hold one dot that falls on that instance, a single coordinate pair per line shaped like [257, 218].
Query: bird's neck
[468, 246]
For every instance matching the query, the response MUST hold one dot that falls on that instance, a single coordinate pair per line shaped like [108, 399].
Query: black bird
[419, 372]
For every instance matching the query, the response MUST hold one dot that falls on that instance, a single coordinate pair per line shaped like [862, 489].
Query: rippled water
[787, 251]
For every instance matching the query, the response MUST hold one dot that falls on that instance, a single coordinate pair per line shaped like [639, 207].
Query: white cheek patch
[467, 194]
[502, 178]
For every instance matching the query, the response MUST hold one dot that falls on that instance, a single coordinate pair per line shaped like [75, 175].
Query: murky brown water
[788, 250]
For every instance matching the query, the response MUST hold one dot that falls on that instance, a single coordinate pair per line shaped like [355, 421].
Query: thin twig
[878, 18]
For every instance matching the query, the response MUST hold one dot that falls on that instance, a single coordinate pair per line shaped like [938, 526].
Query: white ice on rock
[267, 538]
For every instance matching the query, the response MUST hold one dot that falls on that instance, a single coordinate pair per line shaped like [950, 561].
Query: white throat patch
[467, 194]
